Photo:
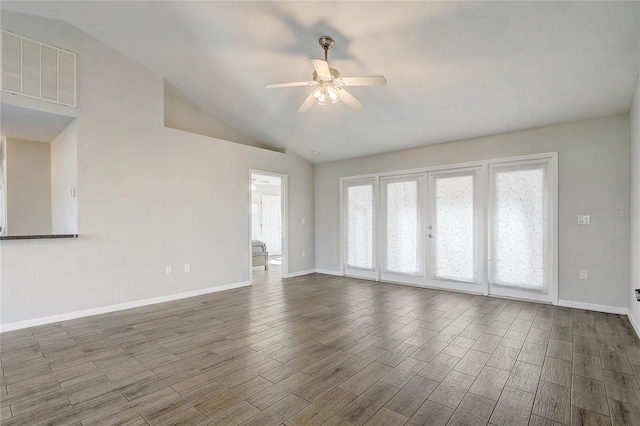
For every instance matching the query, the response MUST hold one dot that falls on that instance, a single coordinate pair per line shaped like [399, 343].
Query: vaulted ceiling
[455, 70]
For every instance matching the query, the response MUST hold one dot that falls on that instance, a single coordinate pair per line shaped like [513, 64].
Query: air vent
[37, 70]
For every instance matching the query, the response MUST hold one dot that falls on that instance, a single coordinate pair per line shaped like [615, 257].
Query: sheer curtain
[402, 237]
[453, 227]
[518, 227]
[359, 225]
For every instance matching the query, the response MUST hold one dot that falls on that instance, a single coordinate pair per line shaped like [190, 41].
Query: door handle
[431, 236]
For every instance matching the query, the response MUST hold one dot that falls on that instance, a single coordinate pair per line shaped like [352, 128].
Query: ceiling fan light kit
[329, 85]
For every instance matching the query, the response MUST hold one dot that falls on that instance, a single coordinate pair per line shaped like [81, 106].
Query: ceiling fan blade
[292, 84]
[321, 67]
[373, 80]
[307, 103]
[350, 100]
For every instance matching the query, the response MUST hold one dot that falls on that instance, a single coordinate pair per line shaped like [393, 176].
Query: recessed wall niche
[38, 195]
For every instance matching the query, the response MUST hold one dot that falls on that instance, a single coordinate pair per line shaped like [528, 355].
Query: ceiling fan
[329, 86]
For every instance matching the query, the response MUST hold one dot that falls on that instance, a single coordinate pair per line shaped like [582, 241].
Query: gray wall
[181, 115]
[593, 178]
[148, 196]
[28, 187]
[634, 118]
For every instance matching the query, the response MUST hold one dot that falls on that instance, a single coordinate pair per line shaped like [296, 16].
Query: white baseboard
[300, 273]
[328, 272]
[119, 307]
[128, 305]
[594, 307]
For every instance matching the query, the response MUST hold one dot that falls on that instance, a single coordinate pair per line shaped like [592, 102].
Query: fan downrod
[326, 43]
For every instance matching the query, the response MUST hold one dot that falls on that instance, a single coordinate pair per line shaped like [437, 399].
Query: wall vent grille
[37, 70]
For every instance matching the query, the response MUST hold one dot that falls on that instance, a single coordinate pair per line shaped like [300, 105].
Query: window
[453, 226]
[519, 226]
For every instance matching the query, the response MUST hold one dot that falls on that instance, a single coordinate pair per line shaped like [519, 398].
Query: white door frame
[552, 248]
[484, 231]
[284, 191]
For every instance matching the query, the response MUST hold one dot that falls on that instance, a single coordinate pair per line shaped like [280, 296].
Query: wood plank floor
[325, 350]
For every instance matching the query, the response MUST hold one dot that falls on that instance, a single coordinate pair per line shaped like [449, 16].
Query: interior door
[401, 206]
[359, 197]
[272, 224]
[256, 217]
[455, 230]
[521, 230]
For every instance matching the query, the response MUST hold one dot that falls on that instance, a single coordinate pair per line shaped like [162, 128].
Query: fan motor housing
[334, 73]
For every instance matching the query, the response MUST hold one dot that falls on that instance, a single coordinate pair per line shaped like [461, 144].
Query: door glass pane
[402, 227]
[360, 225]
[454, 230]
[518, 227]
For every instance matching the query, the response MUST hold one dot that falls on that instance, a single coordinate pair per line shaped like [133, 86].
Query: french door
[402, 206]
[487, 227]
[455, 230]
[427, 229]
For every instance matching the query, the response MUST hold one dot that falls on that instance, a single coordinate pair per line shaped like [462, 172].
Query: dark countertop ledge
[37, 237]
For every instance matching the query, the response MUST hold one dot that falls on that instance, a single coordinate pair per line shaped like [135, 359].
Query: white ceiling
[455, 70]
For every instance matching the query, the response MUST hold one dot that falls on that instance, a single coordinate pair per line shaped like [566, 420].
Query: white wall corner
[603, 308]
[119, 307]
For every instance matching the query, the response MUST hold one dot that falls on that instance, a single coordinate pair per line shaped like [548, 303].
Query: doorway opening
[268, 226]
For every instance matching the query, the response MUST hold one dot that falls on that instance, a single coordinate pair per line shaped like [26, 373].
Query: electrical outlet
[187, 268]
[584, 274]
[304, 253]
[168, 270]
[302, 221]
[584, 219]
